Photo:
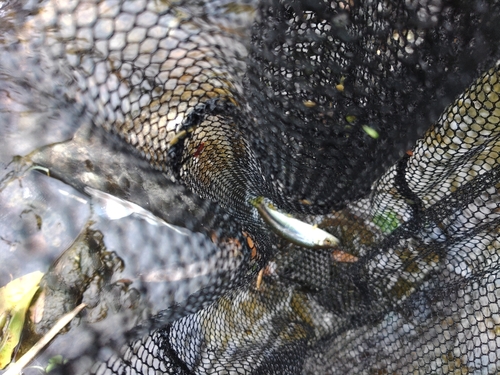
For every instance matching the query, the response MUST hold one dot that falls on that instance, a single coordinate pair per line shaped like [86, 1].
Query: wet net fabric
[377, 121]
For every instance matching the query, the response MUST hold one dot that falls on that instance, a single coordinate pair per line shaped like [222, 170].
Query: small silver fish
[292, 229]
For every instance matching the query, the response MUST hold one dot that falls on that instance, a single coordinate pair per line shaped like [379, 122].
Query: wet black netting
[376, 121]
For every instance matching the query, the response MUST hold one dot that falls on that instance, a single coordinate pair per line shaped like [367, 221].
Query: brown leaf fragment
[342, 257]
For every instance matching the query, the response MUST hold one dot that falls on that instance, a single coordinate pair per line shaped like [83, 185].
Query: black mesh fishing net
[180, 129]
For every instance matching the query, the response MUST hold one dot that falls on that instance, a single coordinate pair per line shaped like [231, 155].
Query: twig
[16, 368]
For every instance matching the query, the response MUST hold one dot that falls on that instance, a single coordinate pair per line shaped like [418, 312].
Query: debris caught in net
[374, 121]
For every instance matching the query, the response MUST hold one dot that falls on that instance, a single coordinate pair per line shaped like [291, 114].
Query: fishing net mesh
[336, 111]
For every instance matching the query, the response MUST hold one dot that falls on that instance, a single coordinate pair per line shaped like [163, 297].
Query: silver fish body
[294, 230]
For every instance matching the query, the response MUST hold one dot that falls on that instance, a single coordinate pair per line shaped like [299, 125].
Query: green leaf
[370, 131]
[387, 221]
[55, 361]
[351, 118]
